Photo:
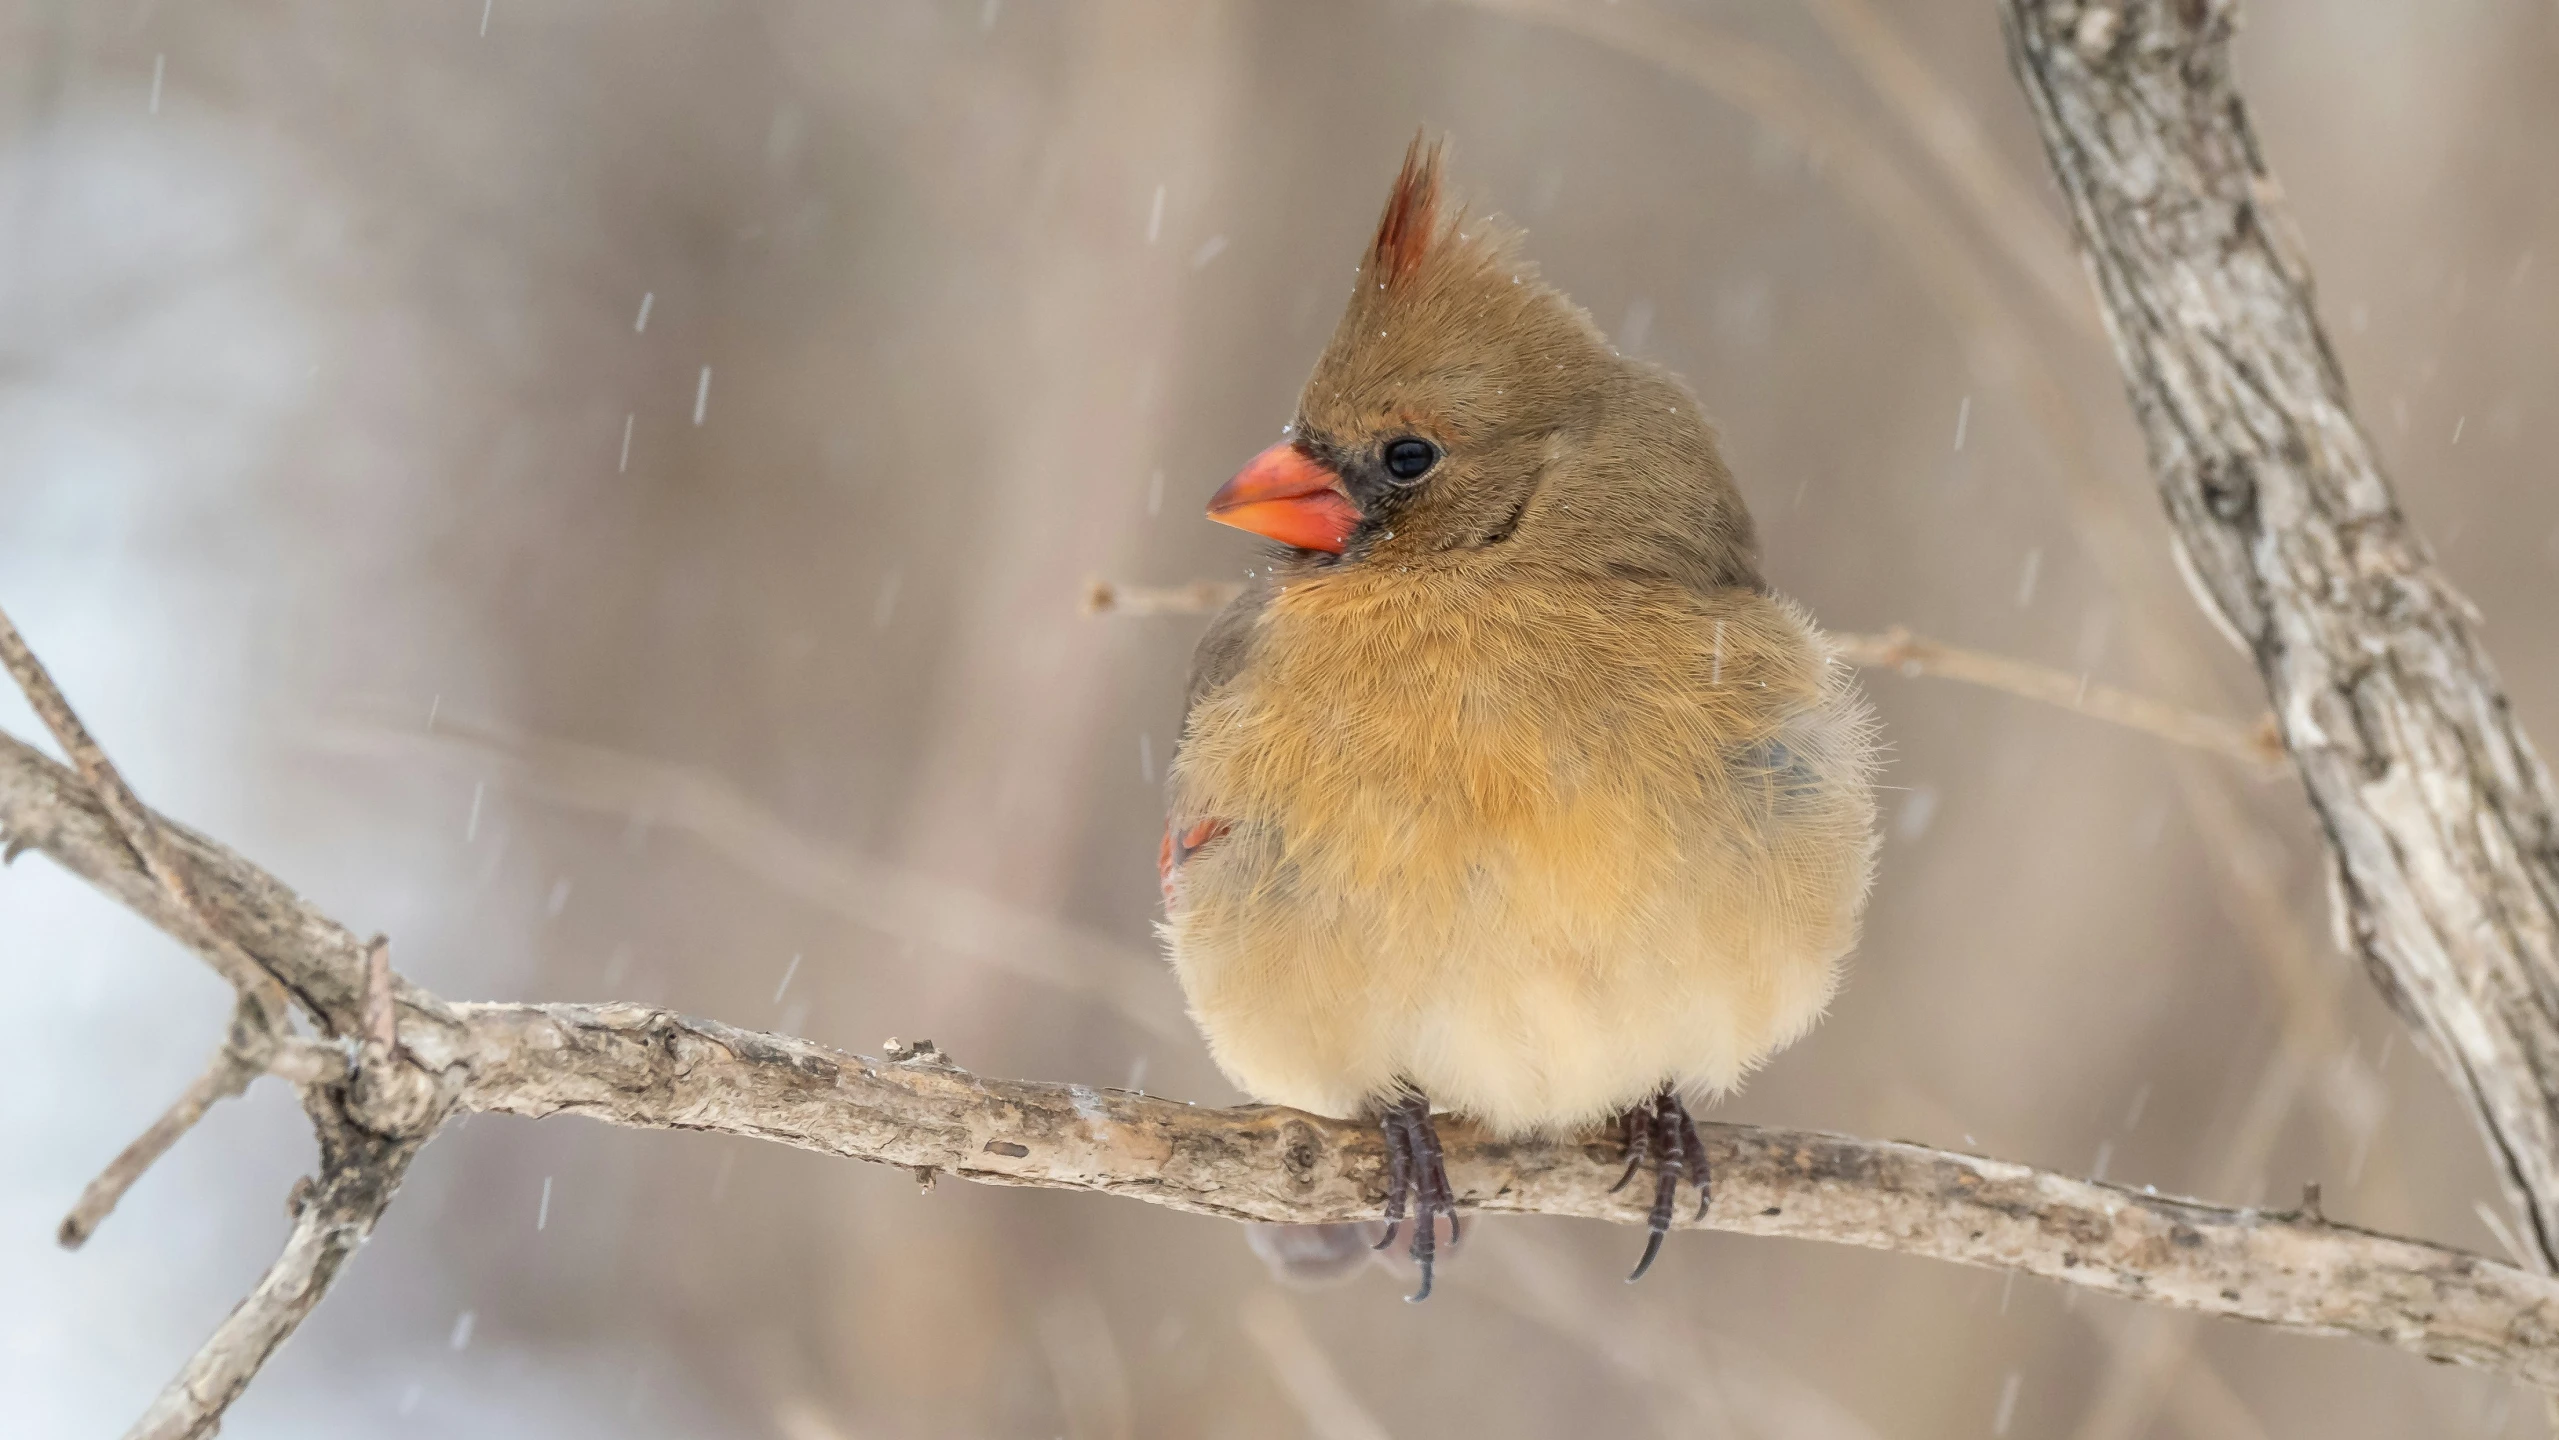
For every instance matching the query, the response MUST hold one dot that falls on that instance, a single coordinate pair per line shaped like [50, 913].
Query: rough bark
[2442, 820]
[632, 1065]
[333, 1216]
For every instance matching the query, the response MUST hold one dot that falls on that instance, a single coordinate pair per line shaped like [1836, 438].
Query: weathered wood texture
[2442, 820]
[632, 1065]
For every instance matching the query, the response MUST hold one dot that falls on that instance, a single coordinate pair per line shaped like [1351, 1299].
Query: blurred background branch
[955, 922]
[1896, 649]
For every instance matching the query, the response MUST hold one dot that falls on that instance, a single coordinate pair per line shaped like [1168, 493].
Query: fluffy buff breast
[1535, 848]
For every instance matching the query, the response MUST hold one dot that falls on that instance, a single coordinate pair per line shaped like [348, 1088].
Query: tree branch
[1897, 649]
[370, 1119]
[333, 1217]
[2441, 816]
[2442, 821]
[632, 1065]
[43, 806]
[139, 830]
[240, 1060]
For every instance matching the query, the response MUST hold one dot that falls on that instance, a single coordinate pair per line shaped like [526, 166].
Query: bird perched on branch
[1507, 788]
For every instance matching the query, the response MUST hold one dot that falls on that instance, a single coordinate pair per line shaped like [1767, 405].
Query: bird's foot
[1415, 1175]
[1659, 1130]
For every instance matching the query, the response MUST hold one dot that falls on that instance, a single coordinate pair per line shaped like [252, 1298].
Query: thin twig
[47, 700]
[137, 827]
[240, 1060]
[1896, 649]
[381, 1021]
[1200, 597]
[368, 1131]
[262, 1014]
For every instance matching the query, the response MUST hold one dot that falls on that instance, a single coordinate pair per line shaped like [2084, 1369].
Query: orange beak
[1289, 498]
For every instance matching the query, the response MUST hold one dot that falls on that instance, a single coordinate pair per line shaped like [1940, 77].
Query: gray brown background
[312, 393]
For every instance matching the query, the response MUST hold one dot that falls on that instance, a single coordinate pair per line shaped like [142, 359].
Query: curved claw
[1415, 1174]
[1660, 1130]
[1652, 1247]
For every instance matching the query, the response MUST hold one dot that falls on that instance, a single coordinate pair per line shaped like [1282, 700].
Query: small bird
[1507, 788]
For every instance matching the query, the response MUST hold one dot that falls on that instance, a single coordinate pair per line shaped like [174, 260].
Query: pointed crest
[1410, 226]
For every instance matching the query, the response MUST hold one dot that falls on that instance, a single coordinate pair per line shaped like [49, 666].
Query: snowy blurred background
[709, 414]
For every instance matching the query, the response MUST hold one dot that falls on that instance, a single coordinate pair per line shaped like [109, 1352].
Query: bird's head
[1466, 405]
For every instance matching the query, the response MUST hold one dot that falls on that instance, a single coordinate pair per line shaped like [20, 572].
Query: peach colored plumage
[1508, 784]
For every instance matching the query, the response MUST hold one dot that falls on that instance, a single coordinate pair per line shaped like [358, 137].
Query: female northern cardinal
[1508, 787]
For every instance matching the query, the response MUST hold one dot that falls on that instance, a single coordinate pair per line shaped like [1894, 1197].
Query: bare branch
[44, 806]
[2440, 813]
[2441, 818]
[1898, 649]
[334, 1216]
[138, 827]
[381, 1021]
[633, 1065]
[1200, 597]
[47, 700]
[369, 1122]
[240, 1060]
[262, 1015]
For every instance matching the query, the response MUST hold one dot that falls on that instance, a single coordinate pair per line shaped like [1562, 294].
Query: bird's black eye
[1408, 459]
